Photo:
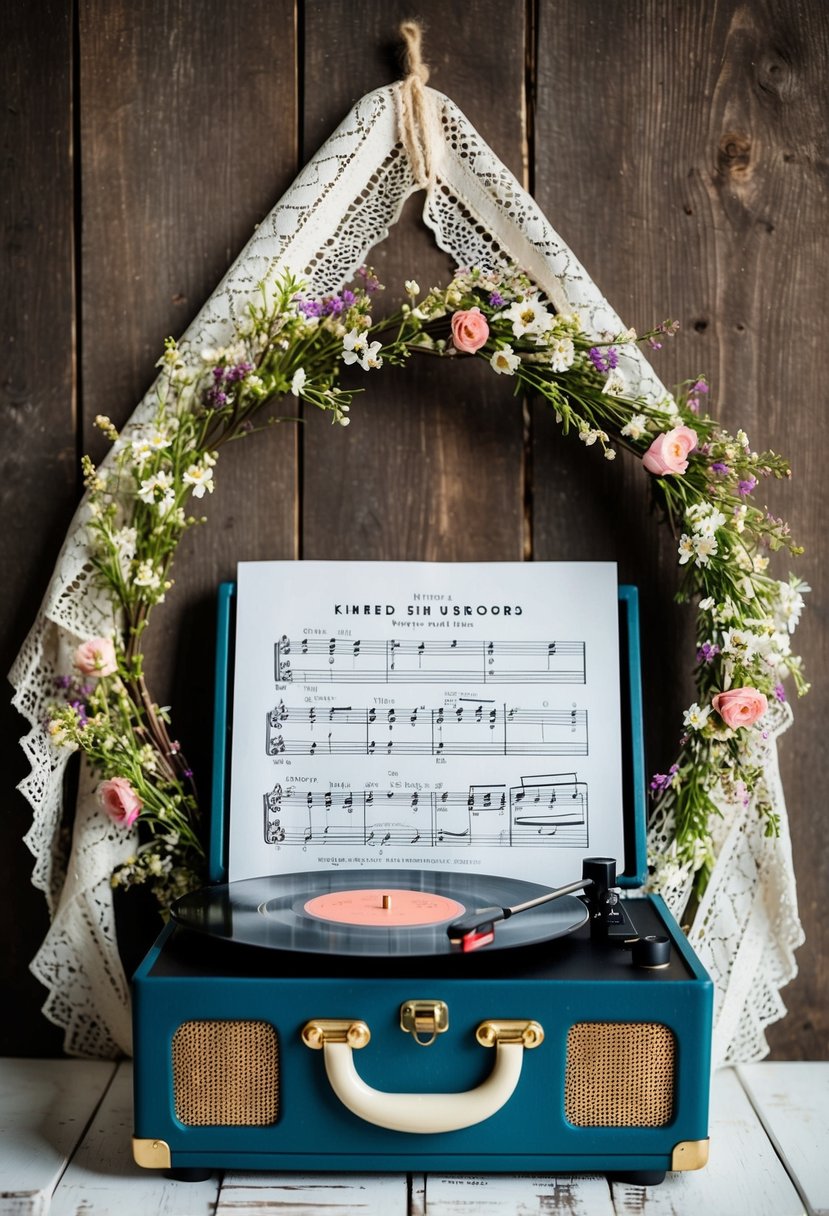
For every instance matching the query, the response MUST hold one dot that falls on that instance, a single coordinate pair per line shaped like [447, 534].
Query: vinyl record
[372, 913]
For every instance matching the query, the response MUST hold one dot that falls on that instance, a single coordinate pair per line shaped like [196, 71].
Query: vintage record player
[424, 1020]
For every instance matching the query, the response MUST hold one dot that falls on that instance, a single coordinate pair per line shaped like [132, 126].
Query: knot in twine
[415, 114]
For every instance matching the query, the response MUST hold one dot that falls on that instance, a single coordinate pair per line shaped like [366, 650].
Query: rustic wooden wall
[680, 148]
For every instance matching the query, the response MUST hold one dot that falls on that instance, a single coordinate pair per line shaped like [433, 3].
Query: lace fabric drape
[342, 203]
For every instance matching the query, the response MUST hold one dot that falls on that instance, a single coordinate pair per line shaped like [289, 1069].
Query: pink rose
[669, 452]
[120, 801]
[96, 658]
[469, 330]
[740, 706]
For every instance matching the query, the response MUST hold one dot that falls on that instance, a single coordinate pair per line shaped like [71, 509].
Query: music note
[356, 650]
[332, 649]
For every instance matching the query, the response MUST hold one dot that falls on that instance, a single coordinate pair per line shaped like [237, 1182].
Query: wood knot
[734, 155]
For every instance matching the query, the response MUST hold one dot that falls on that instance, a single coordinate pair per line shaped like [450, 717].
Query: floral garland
[292, 343]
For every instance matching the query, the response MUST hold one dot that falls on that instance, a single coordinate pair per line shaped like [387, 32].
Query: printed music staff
[466, 729]
[341, 660]
[550, 811]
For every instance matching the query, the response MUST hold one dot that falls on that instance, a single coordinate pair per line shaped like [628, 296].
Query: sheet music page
[418, 714]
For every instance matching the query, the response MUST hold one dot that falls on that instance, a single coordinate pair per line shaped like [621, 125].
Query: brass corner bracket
[151, 1154]
[690, 1155]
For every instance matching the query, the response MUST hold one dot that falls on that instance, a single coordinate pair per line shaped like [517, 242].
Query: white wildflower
[254, 383]
[741, 644]
[165, 504]
[59, 736]
[614, 385]
[686, 549]
[609, 454]
[371, 357]
[790, 603]
[562, 353]
[505, 361]
[412, 288]
[145, 576]
[629, 335]
[705, 547]
[635, 427]
[695, 718]
[706, 604]
[355, 345]
[528, 317]
[155, 487]
[200, 478]
[298, 381]
[704, 518]
[740, 514]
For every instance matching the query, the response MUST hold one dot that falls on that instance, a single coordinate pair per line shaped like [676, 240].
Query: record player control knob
[652, 953]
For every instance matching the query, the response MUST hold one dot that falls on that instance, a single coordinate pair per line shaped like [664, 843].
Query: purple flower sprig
[604, 361]
[661, 781]
[707, 652]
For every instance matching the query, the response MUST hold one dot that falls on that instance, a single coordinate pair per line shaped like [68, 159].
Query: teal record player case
[575, 1055]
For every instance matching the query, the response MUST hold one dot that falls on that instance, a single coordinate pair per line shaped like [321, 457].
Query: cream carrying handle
[422, 1113]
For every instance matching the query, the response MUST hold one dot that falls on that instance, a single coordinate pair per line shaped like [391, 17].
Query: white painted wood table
[65, 1128]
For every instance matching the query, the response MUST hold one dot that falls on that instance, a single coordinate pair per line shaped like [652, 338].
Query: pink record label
[384, 906]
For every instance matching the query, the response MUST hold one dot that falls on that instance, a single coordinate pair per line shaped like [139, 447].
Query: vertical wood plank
[742, 1175]
[102, 1177]
[39, 484]
[188, 138]
[431, 466]
[681, 152]
[45, 1106]
[792, 1102]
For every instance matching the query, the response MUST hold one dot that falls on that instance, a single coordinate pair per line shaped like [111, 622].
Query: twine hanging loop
[415, 115]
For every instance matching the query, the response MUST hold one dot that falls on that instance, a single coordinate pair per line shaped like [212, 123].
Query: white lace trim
[342, 203]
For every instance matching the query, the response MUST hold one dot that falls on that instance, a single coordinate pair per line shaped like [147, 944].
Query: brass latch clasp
[424, 1018]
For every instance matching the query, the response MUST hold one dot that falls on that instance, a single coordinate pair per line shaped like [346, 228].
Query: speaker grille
[226, 1073]
[619, 1074]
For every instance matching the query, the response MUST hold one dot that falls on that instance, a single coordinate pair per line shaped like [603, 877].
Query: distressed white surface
[744, 1176]
[792, 1100]
[307, 1194]
[45, 1106]
[524, 1195]
[103, 1180]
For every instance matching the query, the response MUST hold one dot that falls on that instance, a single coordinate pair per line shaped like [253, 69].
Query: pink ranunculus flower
[469, 330]
[96, 658]
[669, 451]
[740, 706]
[120, 801]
